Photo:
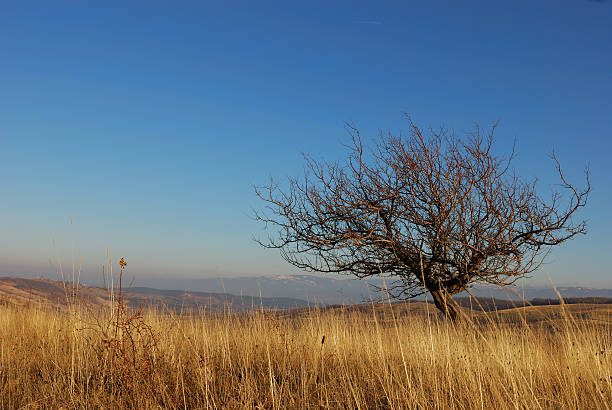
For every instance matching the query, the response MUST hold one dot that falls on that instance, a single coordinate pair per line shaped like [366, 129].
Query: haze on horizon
[148, 123]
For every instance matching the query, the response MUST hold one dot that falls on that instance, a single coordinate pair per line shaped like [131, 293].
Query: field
[537, 357]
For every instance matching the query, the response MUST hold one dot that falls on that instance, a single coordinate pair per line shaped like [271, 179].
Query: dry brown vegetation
[536, 357]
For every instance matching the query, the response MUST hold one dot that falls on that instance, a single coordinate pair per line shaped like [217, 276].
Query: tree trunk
[445, 303]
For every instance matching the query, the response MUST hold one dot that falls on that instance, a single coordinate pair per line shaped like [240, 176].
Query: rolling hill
[44, 292]
[320, 289]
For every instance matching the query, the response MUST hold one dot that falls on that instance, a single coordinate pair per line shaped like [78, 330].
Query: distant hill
[313, 288]
[46, 292]
[347, 290]
[281, 292]
[502, 311]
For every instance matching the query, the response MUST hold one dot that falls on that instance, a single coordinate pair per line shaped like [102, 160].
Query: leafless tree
[431, 211]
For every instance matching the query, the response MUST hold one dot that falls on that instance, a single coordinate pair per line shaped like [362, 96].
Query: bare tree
[430, 211]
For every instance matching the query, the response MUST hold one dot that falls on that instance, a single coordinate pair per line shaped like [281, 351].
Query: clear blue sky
[148, 122]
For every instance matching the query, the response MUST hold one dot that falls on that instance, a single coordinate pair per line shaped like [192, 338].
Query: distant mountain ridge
[20, 291]
[346, 290]
[269, 292]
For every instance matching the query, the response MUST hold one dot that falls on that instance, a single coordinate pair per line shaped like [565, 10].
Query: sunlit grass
[332, 359]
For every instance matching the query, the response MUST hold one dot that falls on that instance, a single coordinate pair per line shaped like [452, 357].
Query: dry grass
[331, 359]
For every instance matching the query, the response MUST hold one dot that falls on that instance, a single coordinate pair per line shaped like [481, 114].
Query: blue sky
[149, 122]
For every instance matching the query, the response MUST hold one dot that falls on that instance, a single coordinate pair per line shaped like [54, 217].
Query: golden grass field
[556, 357]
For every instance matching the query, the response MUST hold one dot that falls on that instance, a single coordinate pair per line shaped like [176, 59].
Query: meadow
[528, 358]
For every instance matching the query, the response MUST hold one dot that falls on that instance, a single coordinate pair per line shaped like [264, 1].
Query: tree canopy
[431, 211]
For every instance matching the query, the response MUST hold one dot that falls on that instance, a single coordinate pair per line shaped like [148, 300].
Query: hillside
[48, 293]
[44, 292]
[339, 289]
